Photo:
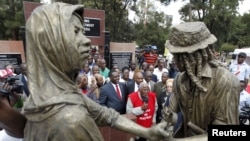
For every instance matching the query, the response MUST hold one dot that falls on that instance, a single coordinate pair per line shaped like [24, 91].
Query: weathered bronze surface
[204, 92]
[56, 110]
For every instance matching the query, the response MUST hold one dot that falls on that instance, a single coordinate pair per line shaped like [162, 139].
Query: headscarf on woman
[56, 109]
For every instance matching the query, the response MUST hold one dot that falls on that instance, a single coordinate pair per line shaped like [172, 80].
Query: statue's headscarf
[53, 60]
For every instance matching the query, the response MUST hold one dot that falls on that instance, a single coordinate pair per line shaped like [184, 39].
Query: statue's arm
[154, 133]
[104, 116]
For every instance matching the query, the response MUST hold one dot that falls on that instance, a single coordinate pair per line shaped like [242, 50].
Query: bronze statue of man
[204, 92]
[56, 110]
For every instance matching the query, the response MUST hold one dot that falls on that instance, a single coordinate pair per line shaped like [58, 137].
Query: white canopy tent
[246, 50]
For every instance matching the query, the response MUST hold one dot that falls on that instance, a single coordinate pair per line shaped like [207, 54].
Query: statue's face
[178, 64]
[83, 43]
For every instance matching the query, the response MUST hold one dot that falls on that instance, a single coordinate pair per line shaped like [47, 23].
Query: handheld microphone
[145, 99]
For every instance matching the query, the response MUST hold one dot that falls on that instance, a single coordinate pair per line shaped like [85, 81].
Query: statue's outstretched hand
[159, 132]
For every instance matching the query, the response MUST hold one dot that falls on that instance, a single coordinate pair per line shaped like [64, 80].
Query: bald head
[98, 76]
[95, 69]
[99, 80]
[138, 77]
[144, 89]
[23, 68]
[142, 85]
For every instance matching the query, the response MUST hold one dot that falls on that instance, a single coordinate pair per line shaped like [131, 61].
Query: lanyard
[238, 70]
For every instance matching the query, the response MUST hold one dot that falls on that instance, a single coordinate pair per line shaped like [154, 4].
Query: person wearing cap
[204, 91]
[12, 122]
[240, 68]
[151, 56]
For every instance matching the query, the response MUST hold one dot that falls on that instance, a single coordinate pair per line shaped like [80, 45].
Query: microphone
[145, 99]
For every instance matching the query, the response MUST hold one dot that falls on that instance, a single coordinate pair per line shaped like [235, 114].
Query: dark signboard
[92, 27]
[14, 59]
[122, 59]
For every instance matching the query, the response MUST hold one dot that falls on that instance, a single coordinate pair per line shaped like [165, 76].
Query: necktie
[118, 91]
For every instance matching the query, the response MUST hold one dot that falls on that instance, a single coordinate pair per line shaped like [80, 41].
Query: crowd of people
[57, 93]
[130, 90]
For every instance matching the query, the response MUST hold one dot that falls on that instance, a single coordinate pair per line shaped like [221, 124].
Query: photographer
[244, 106]
[11, 120]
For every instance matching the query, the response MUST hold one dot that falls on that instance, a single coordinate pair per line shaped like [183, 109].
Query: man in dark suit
[132, 86]
[145, 67]
[148, 79]
[113, 94]
[154, 77]
[159, 88]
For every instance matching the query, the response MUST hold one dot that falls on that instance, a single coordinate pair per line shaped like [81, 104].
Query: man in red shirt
[143, 105]
[150, 56]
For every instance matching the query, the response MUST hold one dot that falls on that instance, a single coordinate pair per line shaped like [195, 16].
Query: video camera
[244, 114]
[13, 81]
[147, 48]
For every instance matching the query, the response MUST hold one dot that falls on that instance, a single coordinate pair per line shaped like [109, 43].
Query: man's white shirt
[242, 71]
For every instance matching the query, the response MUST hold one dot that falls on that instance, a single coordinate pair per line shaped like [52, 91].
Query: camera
[244, 114]
[13, 81]
[147, 48]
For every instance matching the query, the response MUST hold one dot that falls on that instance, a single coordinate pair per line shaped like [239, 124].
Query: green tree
[152, 26]
[227, 47]
[11, 19]
[116, 17]
[243, 32]
[221, 17]
[123, 30]
[167, 2]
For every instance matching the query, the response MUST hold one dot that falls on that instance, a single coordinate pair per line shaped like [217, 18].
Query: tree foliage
[116, 17]
[222, 19]
[220, 16]
[11, 19]
[243, 32]
[152, 26]
[227, 47]
[167, 2]
[124, 30]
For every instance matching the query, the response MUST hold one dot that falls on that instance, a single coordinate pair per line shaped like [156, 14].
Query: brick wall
[90, 13]
[12, 47]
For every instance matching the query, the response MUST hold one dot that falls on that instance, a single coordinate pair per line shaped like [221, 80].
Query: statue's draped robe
[56, 110]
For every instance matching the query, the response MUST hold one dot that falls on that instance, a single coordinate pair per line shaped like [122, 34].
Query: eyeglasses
[169, 86]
